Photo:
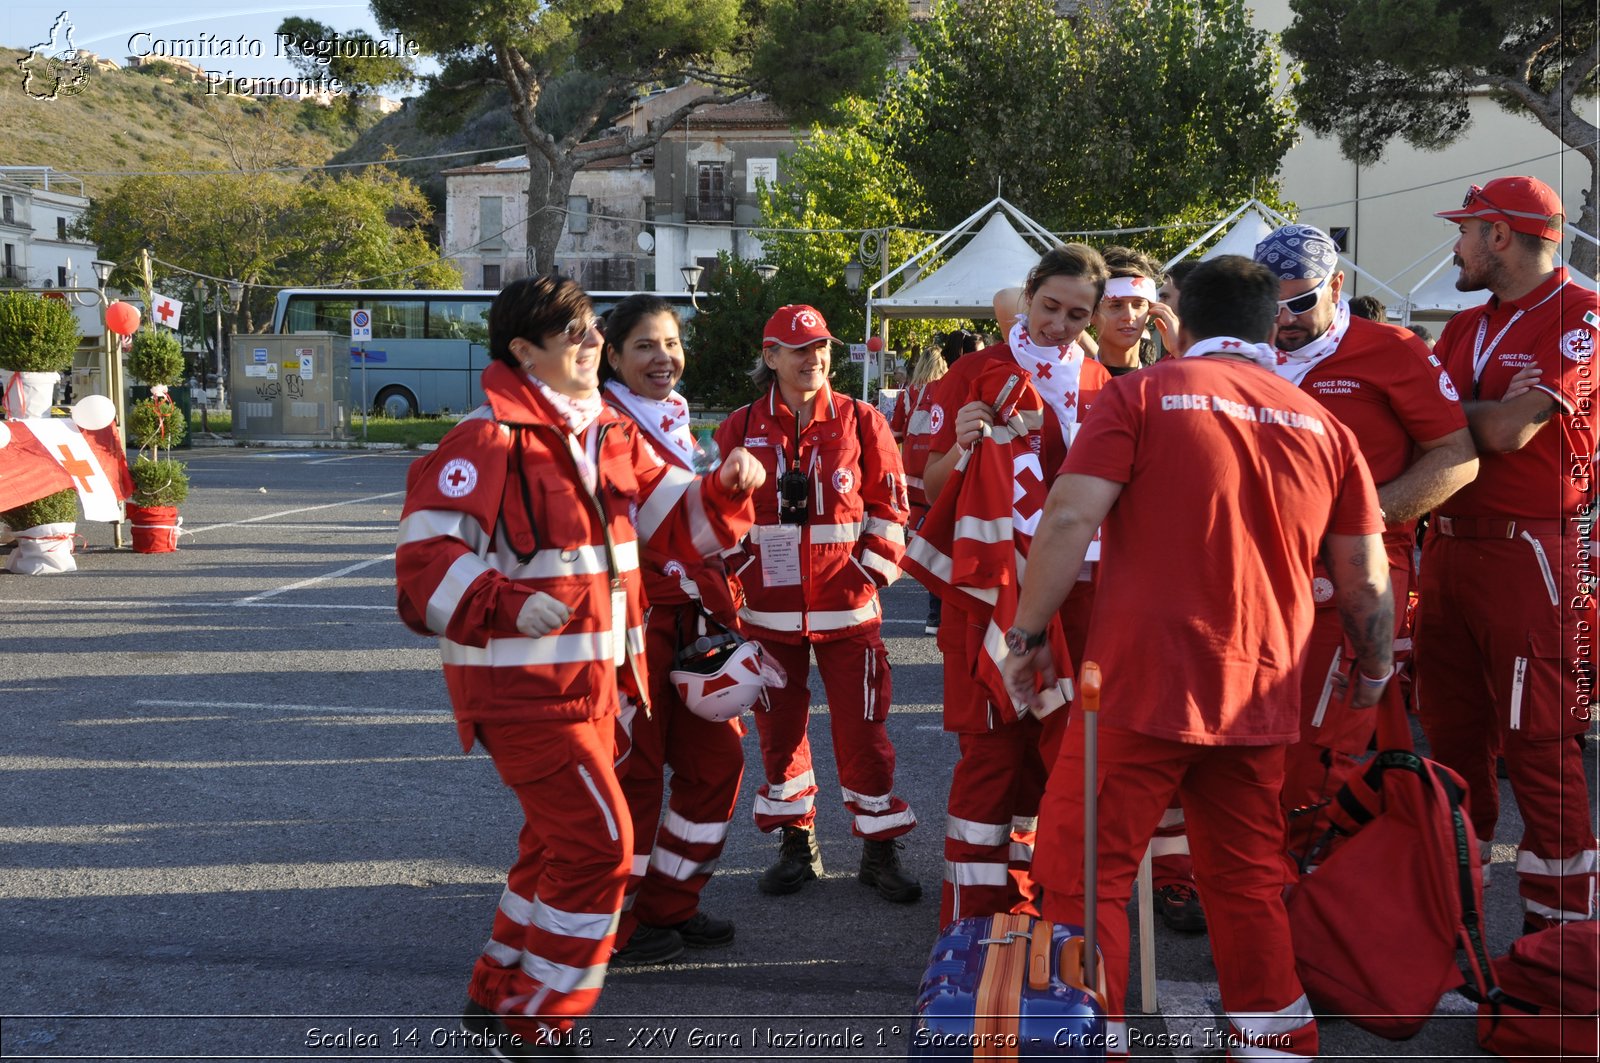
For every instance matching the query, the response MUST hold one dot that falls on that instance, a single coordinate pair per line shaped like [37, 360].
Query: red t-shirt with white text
[1231, 478]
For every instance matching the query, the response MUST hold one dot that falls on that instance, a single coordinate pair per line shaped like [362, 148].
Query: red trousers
[554, 929]
[674, 857]
[1506, 664]
[855, 675]
[1332, 734]
[1230, 797]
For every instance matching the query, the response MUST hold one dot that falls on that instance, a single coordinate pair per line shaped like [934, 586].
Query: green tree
[1370, 77]
[1123, 115]
[270, 230]
[316, 55]
[805, 54]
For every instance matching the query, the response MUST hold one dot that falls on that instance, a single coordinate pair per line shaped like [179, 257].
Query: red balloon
[875, 344]
[122, 318]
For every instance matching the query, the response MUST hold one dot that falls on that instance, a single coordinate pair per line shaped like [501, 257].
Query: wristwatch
[1020, 642]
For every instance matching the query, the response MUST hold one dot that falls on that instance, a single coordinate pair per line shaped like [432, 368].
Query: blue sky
[106, 26]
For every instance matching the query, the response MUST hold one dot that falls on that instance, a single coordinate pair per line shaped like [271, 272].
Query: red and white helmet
[724, 684]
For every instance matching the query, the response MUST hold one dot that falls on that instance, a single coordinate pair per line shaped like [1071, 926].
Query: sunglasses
[577, 329]
[1305, 301]
[1475, 192]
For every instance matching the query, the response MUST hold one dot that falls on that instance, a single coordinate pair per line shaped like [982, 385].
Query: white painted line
[145, 604]
[307, 605]
[288, 512]
[56, 884]
[265, 706]
[315, 580]
[348, 457]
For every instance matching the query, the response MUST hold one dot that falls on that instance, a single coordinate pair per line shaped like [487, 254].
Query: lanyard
[1480, 357]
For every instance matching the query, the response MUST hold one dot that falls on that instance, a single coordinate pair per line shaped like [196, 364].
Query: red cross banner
[166, 310]
[48, 454]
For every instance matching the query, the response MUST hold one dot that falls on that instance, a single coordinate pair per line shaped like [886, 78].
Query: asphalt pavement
[237, 823]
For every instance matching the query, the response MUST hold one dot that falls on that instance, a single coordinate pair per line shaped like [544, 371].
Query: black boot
[799, 861]
[880, 869]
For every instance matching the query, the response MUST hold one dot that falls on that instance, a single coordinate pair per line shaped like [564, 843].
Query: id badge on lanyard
[780, 555]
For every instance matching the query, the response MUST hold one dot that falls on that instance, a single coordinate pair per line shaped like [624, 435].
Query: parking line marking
[314, 580]
[289, 512]
[349, 710]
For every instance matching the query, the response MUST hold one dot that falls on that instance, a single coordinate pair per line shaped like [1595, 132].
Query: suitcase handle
[1039, 955]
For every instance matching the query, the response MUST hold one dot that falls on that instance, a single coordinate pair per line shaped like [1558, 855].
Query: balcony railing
[709, 208]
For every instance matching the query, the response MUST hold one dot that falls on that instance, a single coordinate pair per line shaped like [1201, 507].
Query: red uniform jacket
[500, 512]
[854, 536]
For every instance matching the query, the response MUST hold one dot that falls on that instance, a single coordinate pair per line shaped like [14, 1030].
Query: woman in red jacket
[829, 532]
[673, 857]
[518, 550]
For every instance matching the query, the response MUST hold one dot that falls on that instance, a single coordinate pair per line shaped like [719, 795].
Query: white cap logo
[807, 318]
[458, 477]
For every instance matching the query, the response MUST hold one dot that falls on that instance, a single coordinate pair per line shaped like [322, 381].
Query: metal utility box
[295, 386]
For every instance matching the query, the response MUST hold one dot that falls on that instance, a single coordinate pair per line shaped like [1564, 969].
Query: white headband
[1139, 287]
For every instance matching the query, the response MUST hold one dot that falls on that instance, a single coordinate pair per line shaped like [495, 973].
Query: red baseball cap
[797, 325]
[1526, 204]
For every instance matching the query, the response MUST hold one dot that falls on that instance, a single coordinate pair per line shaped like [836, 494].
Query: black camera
[794, 497]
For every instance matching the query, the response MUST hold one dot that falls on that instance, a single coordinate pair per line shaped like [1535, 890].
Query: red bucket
[155, 528]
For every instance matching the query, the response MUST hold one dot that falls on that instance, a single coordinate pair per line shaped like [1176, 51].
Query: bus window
[459, 319]
[317, 314]
[396, 319]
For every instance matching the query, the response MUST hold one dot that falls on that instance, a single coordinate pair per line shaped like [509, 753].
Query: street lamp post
[233, 292]
[691, 277]
[872, 250]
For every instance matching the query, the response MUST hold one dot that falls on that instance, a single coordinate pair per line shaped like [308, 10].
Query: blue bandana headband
[1298, 252]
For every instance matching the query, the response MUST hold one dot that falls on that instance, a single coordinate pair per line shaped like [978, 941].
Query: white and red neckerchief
[1263, 354]
[580, 416]
[1294, 366]
[665, 421]
[1055, 371]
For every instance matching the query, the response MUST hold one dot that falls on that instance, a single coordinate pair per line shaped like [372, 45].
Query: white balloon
[93, 412]
[5, 435]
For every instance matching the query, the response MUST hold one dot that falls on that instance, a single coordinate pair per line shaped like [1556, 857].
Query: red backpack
[1378, 924]
[1549, 1007]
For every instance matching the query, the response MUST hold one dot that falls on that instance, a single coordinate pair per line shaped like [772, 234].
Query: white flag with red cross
[46, 454]
[166, 310]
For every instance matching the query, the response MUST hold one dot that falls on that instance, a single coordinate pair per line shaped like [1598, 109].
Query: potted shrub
[44, 530]
[159, 484]
[155, 359]
[37, 338]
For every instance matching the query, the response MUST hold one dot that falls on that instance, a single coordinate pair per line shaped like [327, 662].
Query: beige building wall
[1389, 207]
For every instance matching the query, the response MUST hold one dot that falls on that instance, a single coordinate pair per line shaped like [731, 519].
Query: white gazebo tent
[1248, 226]
[1435, 296]
[995, 257]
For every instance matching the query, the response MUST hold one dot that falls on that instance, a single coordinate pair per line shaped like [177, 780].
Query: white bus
[428, 348]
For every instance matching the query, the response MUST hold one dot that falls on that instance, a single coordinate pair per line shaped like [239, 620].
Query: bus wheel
[395, 402]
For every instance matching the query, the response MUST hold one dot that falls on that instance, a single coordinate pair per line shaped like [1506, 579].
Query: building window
[61, 276]
[490, 226]
[11, 262]
[712, 202]
[491, 277]
[8, 209]
[61, 228]
[577, 214]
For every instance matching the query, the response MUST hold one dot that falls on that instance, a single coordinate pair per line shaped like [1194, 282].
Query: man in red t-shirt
[1199, 635]
[1505, 643]
[1407, 419]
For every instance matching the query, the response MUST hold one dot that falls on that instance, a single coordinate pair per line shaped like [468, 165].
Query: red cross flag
[47, 454]
[166, 310]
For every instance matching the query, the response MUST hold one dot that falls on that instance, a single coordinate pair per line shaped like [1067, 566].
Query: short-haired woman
[518, 550]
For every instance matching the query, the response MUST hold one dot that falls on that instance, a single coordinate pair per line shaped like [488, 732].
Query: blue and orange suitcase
[1008, 987]
[1015, 987]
